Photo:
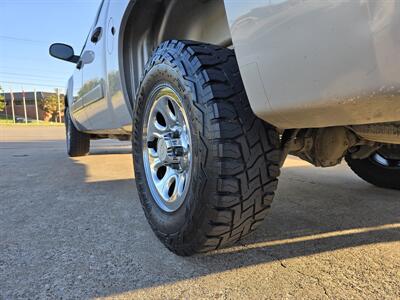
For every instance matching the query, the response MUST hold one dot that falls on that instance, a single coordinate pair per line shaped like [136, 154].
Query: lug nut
[179, 151]
[175, 134]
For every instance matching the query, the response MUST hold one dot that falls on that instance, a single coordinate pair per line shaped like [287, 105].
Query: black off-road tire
[236, 155]
[78, 143]
[374, 173]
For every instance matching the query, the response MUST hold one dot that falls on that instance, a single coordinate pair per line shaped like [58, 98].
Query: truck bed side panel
[319, 63]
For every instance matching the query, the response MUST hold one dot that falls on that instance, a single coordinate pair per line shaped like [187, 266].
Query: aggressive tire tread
[239, 153]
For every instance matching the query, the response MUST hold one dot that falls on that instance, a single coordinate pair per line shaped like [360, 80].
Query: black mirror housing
[63, 52]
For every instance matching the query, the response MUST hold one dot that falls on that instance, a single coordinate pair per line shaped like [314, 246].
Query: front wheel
[382, 168]
[206, 168]
[78, 143]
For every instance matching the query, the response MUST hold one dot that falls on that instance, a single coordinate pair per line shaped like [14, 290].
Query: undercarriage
[326, 147]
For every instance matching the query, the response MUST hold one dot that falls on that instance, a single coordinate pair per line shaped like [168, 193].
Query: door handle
[79, 65]
[96, 35]
[87, 57]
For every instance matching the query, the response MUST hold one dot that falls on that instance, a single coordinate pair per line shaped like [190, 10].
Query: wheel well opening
[150, 22]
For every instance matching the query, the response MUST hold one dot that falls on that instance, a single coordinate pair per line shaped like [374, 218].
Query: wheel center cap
[162, 150]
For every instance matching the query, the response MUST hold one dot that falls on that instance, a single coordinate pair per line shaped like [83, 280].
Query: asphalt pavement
[74, 228]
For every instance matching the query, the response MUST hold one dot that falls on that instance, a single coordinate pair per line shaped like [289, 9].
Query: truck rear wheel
[382, 168]
[206, 168]
[78, 143]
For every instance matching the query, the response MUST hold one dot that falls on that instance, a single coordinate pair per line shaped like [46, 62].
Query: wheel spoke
[155, 163]
[155, 130]
[165, 111]
[152, 153]
[164, 184]
[181, 183]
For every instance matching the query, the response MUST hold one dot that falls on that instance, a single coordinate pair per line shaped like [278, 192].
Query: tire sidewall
[68, 130]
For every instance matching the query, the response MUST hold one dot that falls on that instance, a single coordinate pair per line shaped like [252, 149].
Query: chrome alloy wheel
[167, 151]
[387, 157]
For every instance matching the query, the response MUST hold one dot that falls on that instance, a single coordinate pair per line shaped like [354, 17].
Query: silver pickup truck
[215, 94]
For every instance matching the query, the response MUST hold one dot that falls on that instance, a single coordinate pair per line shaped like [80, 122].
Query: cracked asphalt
[74, 228]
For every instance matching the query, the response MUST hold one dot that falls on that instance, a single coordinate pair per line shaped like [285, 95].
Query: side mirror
[64, 52]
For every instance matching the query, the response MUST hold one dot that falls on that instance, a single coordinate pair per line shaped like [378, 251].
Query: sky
[27, 28]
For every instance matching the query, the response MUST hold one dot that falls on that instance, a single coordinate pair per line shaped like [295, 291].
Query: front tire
[78, 143]
[230, 157]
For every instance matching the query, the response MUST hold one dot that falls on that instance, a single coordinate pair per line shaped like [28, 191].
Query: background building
[30, 105]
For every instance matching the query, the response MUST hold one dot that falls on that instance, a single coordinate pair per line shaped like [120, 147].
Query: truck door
[76, 105]
[93, 65]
